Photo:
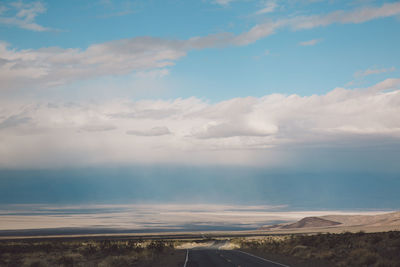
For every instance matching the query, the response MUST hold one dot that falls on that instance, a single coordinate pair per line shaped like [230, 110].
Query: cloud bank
[244, 131]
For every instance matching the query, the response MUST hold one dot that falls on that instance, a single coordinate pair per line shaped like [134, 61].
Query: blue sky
[290, 86]
[304, 61]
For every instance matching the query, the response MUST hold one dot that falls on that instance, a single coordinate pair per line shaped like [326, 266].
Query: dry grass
[89, 253]
[346, 249]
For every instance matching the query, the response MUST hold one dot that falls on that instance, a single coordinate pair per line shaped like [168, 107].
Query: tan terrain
[340, 223]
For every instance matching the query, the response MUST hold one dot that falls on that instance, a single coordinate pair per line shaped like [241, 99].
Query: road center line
[277, 263]
[187, 257]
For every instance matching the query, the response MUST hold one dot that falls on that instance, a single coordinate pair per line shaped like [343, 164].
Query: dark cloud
[155, 131]
[98, 128]
[13, 121]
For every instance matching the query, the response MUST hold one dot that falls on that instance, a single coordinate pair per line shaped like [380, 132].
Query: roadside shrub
[66, 261]
[363, 257]
[345, 249]
[158, 246]
[38, 263]
[117, 261]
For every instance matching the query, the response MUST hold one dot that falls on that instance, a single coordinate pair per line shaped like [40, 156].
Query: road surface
[225, 258]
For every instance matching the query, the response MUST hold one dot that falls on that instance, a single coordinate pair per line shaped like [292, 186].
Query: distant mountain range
[342, 221]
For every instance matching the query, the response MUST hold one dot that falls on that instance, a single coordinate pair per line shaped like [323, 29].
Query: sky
[170, 93]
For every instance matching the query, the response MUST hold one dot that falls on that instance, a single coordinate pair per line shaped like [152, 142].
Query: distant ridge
[392, 218]
[310, 222]
[337, 221]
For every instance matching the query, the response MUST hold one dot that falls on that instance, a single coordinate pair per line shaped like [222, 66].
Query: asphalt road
[225, 258]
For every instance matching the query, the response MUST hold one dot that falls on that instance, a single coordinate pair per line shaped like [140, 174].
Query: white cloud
[116, 8]
[268, 7]
[257, 32]
[56, 66]
[53, 66]
[223, 130]
[237, 131]
[367, 72]
[223, 2]
[23, 15]
[359, 15]
[310, 42]
[387, 84]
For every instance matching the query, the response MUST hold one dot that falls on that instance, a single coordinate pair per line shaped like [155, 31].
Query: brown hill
[310, 222]
[391, 220]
